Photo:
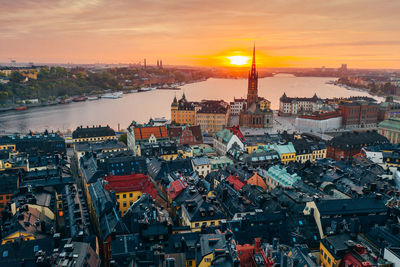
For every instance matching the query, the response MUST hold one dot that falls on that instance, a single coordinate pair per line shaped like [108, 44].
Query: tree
[16, 77]
[123, 138]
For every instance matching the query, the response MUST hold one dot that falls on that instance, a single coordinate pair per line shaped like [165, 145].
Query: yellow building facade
[126, 199]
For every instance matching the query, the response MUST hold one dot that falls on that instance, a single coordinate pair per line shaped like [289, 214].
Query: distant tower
[252, 91]
[160, 64]
[144, 63]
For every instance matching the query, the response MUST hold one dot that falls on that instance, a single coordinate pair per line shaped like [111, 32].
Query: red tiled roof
[257, 180]
[176, 187]
[129, 183]
[236, 131]
[237, 184]
[145, 132]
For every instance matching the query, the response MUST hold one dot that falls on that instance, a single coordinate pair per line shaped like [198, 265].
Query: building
[213, 115]
[166, 150]
[319, 122]
[34, 143]
[210, 115]
[186, 135]
[390, 129]
[183, 112]
[359, 114]
[9, 184]
[278, 176]
[348, 144]
[299, 105]
[129, 188]
[360, 213]
[93, 134]
[237, 106]
[202, 165]
[287, 153]
[256, 113]
[145, 133]
[225, 139]
[108, 146]
[253, 255]
[205, 213]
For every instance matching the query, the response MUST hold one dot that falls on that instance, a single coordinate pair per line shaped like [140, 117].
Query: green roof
[282, 149]
[391, 123]
[281, 176]
[225, 135]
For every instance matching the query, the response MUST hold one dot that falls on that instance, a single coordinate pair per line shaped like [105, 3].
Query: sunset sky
[288, 33]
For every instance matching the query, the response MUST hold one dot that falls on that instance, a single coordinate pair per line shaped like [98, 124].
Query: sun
[238, 60]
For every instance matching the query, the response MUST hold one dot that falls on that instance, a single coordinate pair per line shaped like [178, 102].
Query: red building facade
[359, 114]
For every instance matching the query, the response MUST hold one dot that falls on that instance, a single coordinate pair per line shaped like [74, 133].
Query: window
[124, 196]
[1, 197]
[329, 260]
[130, 195]
[117, 196]
[124, 204]
[196, 224]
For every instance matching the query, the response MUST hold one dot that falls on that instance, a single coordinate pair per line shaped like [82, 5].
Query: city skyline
[203, 33]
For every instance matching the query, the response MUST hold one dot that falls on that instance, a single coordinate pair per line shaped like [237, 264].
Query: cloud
[91, 30]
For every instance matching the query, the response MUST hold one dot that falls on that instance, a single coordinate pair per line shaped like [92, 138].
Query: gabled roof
[237, 184]
[176, 187]
[257, 180]
[128, 183]
[144, 132]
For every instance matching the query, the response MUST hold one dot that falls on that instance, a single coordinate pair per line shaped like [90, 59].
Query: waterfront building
[299, 105]
[93, 134]
[34, 143]
[129, 188]
[225, 139]
[256, 113]
[145, 133]
[319, 122]
[348, 144]
[390, 128]
[183, 112]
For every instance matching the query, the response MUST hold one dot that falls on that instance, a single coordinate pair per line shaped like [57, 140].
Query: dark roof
[354, 140]
[8, 183]
[95, 131]
[350, 206]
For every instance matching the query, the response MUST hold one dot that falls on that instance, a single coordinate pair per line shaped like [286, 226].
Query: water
[144, 105]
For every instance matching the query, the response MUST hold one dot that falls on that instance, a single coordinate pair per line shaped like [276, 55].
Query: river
[144, 105]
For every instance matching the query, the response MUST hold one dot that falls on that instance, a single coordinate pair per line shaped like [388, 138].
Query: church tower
[252, 91]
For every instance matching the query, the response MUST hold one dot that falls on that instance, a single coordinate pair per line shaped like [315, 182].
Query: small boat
[113, 95]
[91, 98]
[134, 91]
[20, 108]
[143, 89]
[79, 99]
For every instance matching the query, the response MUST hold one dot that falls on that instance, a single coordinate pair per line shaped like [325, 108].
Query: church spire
[252, 91]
